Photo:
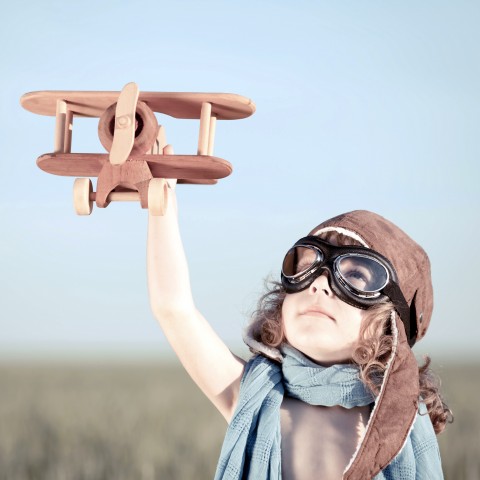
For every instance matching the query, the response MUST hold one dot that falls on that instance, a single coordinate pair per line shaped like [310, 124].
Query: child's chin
[322, 357]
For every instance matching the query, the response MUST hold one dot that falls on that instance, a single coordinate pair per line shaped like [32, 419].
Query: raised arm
[209, 362]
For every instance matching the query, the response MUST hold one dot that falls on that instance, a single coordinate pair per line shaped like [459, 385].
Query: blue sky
[360, 104]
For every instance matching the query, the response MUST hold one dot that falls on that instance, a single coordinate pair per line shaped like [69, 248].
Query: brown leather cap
[396, 406]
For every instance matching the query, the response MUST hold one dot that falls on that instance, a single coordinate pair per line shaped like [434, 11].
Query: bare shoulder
[319, 439]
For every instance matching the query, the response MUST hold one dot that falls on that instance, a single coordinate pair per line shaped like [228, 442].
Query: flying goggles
[357, 275]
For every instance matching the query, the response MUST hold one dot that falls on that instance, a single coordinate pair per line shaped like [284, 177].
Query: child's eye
[359, 278]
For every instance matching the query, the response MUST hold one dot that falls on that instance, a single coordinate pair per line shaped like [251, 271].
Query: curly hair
[371, 353]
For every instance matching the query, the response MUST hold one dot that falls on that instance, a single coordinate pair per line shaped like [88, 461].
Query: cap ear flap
[394, 412]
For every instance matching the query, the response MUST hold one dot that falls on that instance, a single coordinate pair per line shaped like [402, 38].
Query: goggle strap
[394, 293]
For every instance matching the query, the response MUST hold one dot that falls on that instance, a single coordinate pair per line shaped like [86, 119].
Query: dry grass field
[146, 422]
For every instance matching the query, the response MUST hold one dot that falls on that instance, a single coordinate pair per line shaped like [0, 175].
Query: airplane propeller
[124, 133]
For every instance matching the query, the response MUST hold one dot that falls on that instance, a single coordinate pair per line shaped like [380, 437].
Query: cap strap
[392, 290]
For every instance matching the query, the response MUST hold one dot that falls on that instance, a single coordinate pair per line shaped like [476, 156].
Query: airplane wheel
[82, 188]
[157, 196]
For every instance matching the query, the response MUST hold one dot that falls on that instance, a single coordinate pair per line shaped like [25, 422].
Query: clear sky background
[360, 104]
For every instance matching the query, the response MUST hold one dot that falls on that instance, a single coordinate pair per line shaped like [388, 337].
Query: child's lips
[317, 312]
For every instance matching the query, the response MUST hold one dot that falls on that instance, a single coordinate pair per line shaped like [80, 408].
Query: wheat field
[149, 421]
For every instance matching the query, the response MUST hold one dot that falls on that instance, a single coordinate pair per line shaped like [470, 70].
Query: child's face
[320, 325]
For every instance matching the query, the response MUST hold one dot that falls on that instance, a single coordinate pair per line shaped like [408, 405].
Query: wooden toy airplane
[136, 166]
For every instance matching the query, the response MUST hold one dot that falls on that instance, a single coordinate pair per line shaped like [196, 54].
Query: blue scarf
[251, 448]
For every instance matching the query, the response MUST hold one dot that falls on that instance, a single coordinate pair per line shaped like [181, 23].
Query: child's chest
[318, 442]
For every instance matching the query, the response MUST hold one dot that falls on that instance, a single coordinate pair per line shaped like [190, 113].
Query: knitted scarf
[251, 448]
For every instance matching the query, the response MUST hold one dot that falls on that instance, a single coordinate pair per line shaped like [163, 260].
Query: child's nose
[321, 285]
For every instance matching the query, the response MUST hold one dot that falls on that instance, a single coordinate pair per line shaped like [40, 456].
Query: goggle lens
[363, 274]
[300, 260]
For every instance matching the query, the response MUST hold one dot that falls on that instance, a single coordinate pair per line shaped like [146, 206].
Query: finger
[172, 182]
[168, 150]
